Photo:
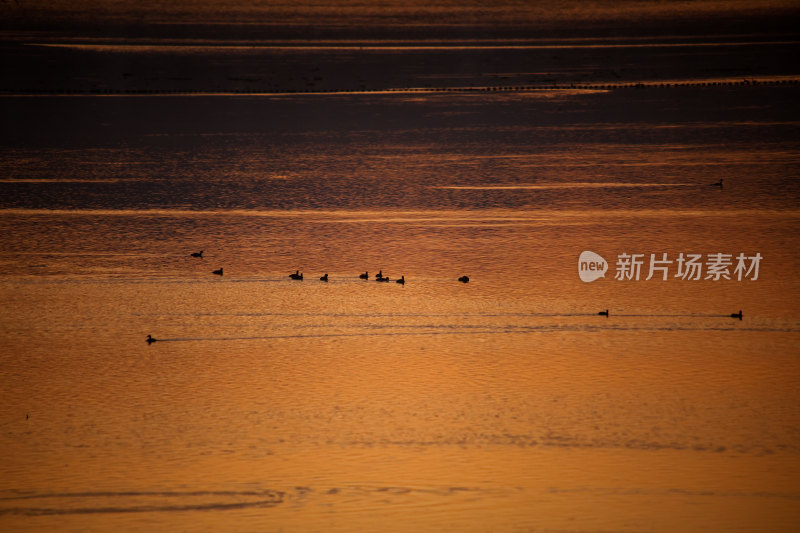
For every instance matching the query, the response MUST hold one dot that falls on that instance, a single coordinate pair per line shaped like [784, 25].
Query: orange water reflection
[360, 405]
[505, 403]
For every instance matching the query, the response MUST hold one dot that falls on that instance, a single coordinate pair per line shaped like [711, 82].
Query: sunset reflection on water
[357, 404]
[511, 402]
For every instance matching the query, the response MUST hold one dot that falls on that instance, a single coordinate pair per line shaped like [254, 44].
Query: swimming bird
[218, 272]
[464, 279]
[737, 315]
[603, 313]
[382, 278]
[717, 184]
[198, 254]
[150, 340]
[402, 280]
[379, 274]
[365, 275]
[324, 278]
[297, 275]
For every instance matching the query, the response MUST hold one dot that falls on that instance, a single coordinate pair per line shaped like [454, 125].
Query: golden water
[503, 404]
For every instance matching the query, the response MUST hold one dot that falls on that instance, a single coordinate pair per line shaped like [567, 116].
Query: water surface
[503, 404]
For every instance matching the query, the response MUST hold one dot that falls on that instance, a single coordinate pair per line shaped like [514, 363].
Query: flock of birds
[298, 276]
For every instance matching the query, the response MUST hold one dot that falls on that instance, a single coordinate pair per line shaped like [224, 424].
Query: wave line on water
[114, 502]
[445, 315]
[361, 45]
[509, 329]
[571, 185]
[22, 495]
[392, 215]
[324, 335]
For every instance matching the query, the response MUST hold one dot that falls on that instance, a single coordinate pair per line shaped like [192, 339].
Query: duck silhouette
[217, 272]
[297, 275]
[603, 313]
[717, 184]
[324, 278]
[379, 274]
[197, 254]
[150, 340]
[365, 275]
[383, 278]
[402, 280]
[737, 315]
[464, 279]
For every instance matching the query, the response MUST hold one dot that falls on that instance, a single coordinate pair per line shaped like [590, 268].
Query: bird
[218, 272]
[198, 254]
[402, 280]
[365, 275]
[383, 278]
[464, 279]
[717, 184]
[379, 274]
[324, 278]
[297, 275]
[603, 313]
[737, 315]
[150, 340]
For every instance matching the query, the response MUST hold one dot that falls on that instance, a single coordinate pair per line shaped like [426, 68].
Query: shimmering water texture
[508, 403]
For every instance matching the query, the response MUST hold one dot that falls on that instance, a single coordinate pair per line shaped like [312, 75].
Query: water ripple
[49, 504]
